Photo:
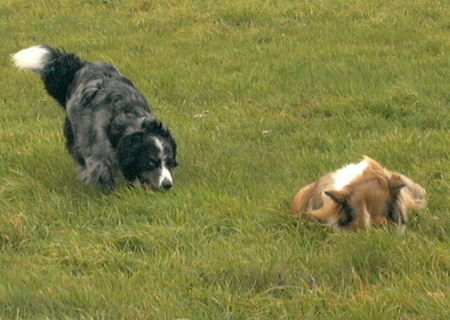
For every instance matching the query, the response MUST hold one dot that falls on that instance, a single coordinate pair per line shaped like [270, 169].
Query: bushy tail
[56, 68]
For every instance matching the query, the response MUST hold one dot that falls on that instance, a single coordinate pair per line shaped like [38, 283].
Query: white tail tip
[32, 59]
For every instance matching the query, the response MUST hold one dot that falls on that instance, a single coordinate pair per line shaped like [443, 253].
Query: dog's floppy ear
[153, 126]
[347, 214]
[397, 213]
[340, 197]
[128, 149]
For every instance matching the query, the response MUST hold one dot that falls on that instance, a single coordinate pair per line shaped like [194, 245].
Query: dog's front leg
[98, 172]
[93, 150]
[99, 162]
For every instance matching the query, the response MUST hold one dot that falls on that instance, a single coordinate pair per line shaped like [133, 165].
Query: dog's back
[66, 77]
[101, 85]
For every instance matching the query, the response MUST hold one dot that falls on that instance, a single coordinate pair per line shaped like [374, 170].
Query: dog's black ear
[152, 126]
[128, 150]
[397, 213]
[347, 214]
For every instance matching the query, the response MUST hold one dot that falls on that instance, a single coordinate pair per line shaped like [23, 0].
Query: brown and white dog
[359, 196]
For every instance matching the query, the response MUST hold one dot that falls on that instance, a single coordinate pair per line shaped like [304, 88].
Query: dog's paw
[97, 173]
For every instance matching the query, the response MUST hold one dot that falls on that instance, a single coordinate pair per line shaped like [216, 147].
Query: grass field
[263, 98]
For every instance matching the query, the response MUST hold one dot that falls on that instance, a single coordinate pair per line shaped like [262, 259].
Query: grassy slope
[289, 90]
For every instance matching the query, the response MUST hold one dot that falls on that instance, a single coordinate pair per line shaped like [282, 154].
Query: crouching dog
[359, 196]
[109, 128]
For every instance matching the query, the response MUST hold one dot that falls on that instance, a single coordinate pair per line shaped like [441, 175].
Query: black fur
[59, 74]
[109, 125]
[347, 216]
[396, 212]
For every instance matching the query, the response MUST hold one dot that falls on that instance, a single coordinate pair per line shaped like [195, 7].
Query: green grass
[289, 90]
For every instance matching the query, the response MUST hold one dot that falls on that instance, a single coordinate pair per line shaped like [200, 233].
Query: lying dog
[359, 196]
[109, 125]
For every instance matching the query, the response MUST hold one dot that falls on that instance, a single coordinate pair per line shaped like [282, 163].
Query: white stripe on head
[32, 59]
[347, 174]
[165, 173]
[158, 145]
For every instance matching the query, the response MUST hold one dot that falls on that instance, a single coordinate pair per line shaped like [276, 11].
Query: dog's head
[148, 157]
[370, 200]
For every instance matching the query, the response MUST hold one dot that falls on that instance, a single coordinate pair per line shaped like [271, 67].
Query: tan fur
[302, 200]
[374, 198]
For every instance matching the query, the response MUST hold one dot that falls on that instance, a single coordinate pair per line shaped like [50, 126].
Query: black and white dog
[109, 124]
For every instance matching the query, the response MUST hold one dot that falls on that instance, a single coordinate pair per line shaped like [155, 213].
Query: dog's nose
[166, 185]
